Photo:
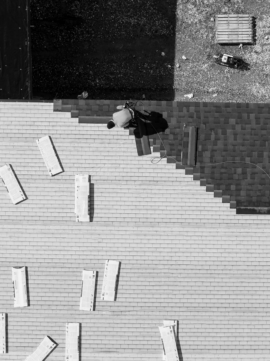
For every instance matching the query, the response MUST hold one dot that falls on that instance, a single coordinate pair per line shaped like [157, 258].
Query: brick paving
[184, 253]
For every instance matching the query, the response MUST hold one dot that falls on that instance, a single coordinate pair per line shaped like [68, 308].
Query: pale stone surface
[184, 254]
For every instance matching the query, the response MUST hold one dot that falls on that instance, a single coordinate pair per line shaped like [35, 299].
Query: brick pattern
[185, 255]
[236, 132]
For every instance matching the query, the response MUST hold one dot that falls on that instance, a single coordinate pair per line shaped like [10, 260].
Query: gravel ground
[123, 49]
[195, 38]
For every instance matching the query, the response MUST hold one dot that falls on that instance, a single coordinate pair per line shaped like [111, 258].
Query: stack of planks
[235, 28]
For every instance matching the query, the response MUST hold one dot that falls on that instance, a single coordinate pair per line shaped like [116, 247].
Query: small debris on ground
[184, 57]
[191, 95]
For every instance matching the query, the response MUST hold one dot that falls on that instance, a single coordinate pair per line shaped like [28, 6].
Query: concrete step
[32, 114]
[94, 119]
[11, 105]
[180, 247]
[47, 117]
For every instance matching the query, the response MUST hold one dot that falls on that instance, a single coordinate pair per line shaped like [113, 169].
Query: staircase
[184, 253]
[233, 148]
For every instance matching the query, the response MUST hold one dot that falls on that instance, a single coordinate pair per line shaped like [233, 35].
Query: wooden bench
[234, 29]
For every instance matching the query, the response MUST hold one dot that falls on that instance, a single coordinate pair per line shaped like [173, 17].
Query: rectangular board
[234, 16]
[110, 280]
[82, 194]
[49, 156]
[169, 343]
[236, 40]
[72, 352]
[144, 137]
[12, 185]
[234, 29]
[20, 287]
[44, 349]
[174, 324]
[192, 146]
[88, 290]
[3, 331]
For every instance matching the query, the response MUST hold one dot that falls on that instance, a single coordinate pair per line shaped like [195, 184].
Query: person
[122, 119]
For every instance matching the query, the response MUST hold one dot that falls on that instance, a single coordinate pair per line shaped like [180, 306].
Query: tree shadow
[56, 344]
[80, 342]
[27, 286]
[179, 346]
[92, 200]
[153, 123]
[95, 291]
[58, 158]
[117, 282]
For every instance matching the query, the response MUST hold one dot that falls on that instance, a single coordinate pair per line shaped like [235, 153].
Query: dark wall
[15, 54]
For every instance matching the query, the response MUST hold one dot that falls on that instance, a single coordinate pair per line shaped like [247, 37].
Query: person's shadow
[149, 124]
